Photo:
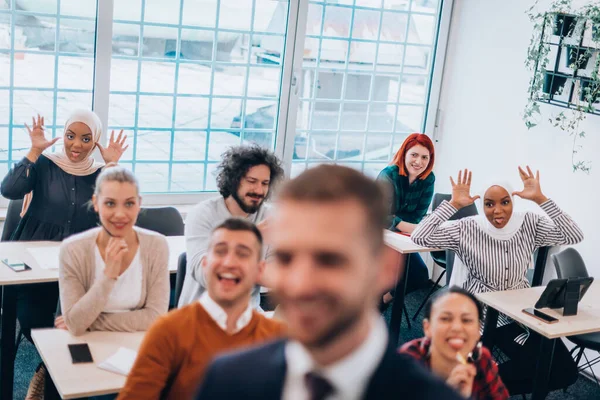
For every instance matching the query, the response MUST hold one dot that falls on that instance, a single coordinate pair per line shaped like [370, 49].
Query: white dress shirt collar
[219, 315]
[349, 376]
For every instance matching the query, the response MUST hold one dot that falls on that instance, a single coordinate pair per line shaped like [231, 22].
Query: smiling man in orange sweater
[179, 346]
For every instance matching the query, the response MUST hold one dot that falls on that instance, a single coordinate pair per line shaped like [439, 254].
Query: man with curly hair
[245, 177]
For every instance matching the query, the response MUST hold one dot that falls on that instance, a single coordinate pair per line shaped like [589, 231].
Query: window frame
[289, 95]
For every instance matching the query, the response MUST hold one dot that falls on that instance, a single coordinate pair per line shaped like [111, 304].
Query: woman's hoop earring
[476, 353]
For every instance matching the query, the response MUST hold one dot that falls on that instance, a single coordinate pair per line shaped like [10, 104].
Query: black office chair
[181, 270]
[164, 220]
[58, 310]
[570, 264]
[439, 257]
[13, 217]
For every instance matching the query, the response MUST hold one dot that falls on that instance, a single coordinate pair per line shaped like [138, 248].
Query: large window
[316, 81]
[188, 79]
[46, 67]
[365, 80]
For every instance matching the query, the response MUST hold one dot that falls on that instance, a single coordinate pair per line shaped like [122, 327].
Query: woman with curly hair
[245, 178]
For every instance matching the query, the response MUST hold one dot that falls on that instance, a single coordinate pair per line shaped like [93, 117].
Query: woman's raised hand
[113, 257]
[461, 190]
[461, 379]
[39, 143]
[531, 186]
[115, 148]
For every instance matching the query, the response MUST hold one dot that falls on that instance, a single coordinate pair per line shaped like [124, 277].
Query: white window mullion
[437, 75]
[102, 61]
[291, 82]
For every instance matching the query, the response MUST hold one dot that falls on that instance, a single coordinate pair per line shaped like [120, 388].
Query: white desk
[83, 380]
[18, 251]
[403, 245]
[512, 302]
[9, 279]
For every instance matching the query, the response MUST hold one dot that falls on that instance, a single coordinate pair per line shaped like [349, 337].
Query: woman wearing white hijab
[496, 248]
[56, 188]
[459, 270]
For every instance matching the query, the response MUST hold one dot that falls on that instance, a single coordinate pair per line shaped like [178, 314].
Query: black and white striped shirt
[494, 264]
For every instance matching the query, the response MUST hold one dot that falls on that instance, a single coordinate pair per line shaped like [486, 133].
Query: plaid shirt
[487, 384]
[409, 202]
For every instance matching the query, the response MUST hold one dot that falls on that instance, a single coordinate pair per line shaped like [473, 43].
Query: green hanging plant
[560, 19]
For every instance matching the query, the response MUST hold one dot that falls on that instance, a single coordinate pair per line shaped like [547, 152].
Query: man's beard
[250, 209]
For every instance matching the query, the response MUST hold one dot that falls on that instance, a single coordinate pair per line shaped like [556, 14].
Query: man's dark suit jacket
[259, 373]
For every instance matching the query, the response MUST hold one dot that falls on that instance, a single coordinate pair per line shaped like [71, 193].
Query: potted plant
[564, 24]
[560, 18]
[589, 90]
[554, 83]
[577, 57]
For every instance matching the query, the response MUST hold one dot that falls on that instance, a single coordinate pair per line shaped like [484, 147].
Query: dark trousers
[418, 274]
[36, 305]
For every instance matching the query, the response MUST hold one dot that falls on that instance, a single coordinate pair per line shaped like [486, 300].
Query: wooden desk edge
[28, 281]
[63, 395]
[48, 368]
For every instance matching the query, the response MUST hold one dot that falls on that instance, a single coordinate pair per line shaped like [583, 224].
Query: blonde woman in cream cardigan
[114, 277]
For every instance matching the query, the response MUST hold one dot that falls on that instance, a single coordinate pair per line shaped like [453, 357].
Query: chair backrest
[438, 198]
[449, 265]
[58, 310]
[164, 220]
[467, 211]
[13, 217]
[181, 270]
[569, 264]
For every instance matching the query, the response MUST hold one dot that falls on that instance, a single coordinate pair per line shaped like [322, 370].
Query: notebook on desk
[46, 257]
[121, 362]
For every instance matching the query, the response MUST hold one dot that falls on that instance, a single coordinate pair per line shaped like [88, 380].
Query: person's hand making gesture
[115, 148]
[461, 190]
[461, 378]
[116, 249]
[37, 135]
[531, 186]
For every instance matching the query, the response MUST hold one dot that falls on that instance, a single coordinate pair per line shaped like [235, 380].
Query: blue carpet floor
[27, 359]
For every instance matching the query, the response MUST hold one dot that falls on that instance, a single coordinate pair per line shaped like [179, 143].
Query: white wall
[483, 94]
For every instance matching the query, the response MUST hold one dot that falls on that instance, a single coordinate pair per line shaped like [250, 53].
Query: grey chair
[164, 220]
[570, 264]
[439, 257]
[13, 217]
[181, 270]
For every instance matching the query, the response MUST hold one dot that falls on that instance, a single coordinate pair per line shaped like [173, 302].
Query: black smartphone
[540, 315]
[16, 265]
[80, 353]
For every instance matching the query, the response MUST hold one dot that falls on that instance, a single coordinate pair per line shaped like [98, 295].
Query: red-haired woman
[411, 180]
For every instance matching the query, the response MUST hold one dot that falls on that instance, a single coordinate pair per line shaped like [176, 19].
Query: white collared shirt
[219, 315]
[349, 376]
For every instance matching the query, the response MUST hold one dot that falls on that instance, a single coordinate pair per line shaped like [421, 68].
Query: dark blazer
[259, 373]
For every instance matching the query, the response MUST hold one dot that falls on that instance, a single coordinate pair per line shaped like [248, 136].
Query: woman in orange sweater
[179, 346]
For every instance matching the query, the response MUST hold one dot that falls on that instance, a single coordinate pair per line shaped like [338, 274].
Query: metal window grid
[284, 103]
